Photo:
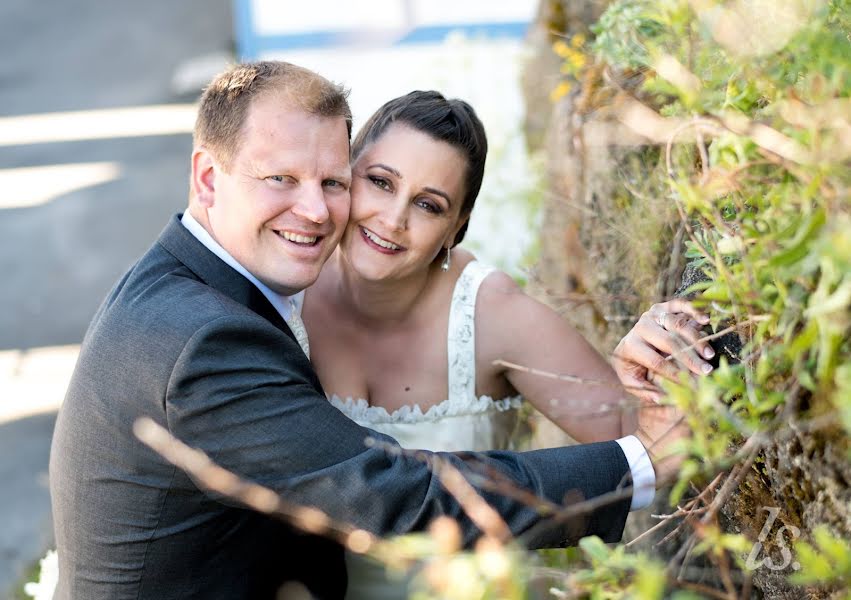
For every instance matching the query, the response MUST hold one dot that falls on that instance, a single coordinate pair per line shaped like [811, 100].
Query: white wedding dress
[464, 421]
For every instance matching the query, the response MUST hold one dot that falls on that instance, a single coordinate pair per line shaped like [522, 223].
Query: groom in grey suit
[195, 336]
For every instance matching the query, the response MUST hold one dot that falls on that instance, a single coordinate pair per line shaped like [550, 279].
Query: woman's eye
[380, 182]
[429, 206]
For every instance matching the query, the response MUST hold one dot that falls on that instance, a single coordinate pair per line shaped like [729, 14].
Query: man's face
[282, 206]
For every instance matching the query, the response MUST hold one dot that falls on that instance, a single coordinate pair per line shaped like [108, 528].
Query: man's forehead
[283, 103]
[277, 122]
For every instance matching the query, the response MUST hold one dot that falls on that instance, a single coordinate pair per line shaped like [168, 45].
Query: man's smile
[291, 236]
[303, 239]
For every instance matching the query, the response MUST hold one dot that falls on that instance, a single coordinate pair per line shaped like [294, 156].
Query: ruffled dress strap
[461, 338]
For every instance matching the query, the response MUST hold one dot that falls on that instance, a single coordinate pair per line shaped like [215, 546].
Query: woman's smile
[378, 243]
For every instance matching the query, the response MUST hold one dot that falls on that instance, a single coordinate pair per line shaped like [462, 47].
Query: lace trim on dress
[359, 409]
[461, 350]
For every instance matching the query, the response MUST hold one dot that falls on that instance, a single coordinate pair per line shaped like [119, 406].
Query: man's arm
[240, 392]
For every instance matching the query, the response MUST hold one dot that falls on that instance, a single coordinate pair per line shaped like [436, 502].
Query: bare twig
[567, 378]
[667, 282]
[704, 156]
[493, 481]
[217, 479]
[689, 548]
[724, 567]
[751, 448]
[479, 511]
[666, 519]
[680, 512]
[488, 479]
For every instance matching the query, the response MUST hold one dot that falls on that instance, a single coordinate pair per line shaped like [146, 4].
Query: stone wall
[611, 245]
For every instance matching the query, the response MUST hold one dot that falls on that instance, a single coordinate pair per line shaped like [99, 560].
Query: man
[195, 336]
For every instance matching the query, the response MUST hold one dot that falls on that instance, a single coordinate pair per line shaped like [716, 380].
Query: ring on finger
[660, 319]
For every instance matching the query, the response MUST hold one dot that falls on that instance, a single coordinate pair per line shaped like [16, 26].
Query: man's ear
[203, 177]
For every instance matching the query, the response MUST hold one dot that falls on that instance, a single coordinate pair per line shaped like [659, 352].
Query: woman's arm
[516, 328]
[593, 405]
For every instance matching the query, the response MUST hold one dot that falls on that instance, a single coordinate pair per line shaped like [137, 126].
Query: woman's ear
[203, 177]
[461, 225]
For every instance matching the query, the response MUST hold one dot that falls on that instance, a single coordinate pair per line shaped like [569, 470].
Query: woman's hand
[665, 340]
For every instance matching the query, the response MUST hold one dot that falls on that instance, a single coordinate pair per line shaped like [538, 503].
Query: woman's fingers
[692, 331]
[678, 305]
[676, 342]
[668, 336]
[687, 325]
[634, 349]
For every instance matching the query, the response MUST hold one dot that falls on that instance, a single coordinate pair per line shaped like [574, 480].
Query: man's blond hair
[225, 102]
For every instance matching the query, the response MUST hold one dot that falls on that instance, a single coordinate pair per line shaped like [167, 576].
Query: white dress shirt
[643, 475]
[280, 302]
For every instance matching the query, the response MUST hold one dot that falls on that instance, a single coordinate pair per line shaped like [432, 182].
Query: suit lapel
[210, 269]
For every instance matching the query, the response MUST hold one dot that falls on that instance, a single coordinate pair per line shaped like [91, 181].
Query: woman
[398, 333]
[406, 332]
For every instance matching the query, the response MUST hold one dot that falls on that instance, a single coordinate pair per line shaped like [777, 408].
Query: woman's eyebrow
[440, 193]
[386, 168]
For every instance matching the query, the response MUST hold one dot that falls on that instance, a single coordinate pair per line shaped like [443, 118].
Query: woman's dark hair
[451, 121]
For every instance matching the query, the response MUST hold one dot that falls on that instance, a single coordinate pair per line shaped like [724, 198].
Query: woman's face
[407, 191]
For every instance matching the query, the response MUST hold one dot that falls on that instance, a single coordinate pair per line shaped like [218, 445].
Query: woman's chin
[372, 272]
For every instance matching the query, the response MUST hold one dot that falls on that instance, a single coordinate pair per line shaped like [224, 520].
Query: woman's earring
[446, 260]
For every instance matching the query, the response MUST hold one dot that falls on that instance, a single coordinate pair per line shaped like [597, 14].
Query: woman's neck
[376, 303]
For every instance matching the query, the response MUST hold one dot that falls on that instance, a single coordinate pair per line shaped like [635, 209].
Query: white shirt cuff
[643, 475]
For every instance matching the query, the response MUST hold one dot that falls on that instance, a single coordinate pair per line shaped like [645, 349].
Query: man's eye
[333, 183]
[276, 178]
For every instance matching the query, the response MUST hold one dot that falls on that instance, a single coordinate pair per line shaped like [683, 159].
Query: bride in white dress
[404, 332]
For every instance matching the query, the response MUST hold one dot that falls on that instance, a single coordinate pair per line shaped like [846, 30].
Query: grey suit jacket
[186, 340]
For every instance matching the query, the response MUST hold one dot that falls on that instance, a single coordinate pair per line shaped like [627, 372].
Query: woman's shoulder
[495, 280]
[497, 291]
[504, 311]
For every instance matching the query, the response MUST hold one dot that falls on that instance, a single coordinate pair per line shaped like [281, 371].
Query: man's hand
[659, 429]
[665, 340]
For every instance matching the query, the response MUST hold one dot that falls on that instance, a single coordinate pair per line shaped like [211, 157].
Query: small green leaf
[595, 548]
[650, 583]
[835, 549]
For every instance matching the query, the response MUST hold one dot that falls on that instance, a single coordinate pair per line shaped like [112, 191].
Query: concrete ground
[78, 206]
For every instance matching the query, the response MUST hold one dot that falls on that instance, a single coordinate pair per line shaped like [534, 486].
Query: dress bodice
[463, 421]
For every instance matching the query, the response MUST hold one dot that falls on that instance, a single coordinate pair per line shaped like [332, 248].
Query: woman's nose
[395, 216]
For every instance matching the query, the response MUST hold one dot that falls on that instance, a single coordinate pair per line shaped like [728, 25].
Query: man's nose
[311, 204]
